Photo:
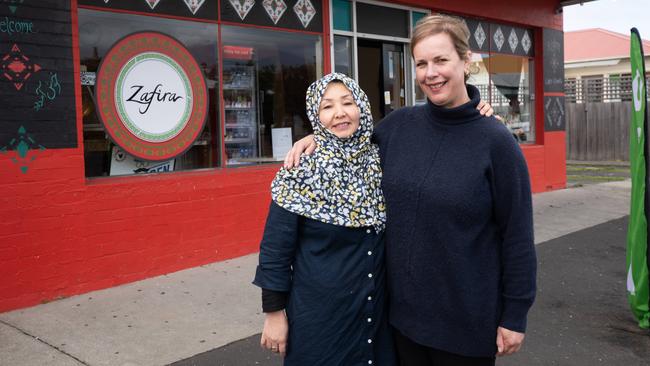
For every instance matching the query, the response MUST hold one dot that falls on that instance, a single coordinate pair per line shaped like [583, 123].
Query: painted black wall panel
[499, 38]
[208, 10]
[524, 47]
[258, 16]
[479, 39]
[553, 60]
[491, 43]
[37, 74]
[554, 113]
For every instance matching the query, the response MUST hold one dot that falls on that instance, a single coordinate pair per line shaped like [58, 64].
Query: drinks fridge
[240, 105]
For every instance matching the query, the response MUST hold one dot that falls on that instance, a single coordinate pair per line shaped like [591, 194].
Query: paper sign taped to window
[125, 164]
[281, 140]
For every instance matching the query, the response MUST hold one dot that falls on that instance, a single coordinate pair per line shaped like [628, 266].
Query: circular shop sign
[151, 96]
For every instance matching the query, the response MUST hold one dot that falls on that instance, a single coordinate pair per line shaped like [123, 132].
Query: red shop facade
[88, 204]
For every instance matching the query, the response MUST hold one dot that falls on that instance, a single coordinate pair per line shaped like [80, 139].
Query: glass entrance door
[394, 90]
[381, 75]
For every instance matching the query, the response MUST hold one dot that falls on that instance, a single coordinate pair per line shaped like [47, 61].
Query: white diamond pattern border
[525, 42]
[275, 9]
[305, 12]
[554, 111]
[152, 3]
[479, 35]
[499, 39]
[242, 7]
[194, 5]
[513, 40]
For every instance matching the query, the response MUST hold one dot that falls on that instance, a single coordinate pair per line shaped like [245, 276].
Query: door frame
[386, 83]
[409, 70]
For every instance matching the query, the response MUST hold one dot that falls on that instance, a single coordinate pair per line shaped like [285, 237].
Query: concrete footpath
[210, 315]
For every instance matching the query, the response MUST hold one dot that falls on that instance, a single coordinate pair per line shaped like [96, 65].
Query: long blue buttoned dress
[335, 279]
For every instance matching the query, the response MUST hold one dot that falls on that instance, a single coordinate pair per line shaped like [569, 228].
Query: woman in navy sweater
[460, 252]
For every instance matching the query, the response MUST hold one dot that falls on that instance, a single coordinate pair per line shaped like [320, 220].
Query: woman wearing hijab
[321, 264]
[460, 252]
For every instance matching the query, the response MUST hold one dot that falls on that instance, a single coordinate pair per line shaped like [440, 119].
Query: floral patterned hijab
[340, 183]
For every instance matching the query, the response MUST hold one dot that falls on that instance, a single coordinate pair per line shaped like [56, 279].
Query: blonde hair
[434, 24]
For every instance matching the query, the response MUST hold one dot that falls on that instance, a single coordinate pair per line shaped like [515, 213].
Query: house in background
[597, 65]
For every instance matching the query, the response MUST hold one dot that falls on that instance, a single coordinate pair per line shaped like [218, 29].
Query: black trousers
[414, 354]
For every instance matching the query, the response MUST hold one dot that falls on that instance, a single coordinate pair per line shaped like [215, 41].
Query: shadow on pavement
[243, 352]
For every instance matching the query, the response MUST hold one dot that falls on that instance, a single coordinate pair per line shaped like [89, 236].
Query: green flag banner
[637, 231]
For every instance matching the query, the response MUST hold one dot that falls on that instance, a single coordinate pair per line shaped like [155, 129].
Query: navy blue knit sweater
[459, 241]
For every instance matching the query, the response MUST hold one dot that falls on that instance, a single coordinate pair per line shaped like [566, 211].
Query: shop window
[342, 16]
[98, 31]
[479, 75]
[511, 84]
[502, 68]
[343, 55]
[265, 76]
[374, 19]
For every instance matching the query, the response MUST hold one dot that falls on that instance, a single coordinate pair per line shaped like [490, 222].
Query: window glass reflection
[511, 84]
[479, 75]
[343, 55]
[266, 113]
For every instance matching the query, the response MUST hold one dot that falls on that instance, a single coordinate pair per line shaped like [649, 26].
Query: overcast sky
[615, 15]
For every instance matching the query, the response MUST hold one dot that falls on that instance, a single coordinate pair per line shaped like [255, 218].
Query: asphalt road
[580, 317]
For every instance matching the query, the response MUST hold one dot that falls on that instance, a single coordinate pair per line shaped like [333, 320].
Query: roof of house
[574, 2]
[597, 44]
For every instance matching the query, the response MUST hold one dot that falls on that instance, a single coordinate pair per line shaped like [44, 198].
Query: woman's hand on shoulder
[305, 145]
[508, 341]
[275, 333]
[485, 108]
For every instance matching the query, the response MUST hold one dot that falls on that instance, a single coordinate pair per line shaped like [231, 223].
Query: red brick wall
[63, 234]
